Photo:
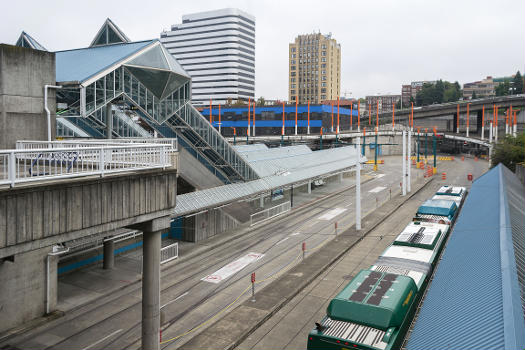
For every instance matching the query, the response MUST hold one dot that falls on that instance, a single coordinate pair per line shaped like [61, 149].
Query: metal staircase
[193, 127]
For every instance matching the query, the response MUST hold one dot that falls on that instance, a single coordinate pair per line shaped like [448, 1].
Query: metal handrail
[38, 164]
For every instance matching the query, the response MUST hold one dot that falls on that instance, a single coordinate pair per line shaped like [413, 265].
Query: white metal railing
[170, 142]
[169, 253]
[269, 213]
[39, 164]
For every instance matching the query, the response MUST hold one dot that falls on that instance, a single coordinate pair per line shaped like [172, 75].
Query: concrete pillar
[52, 282]
[151, 290]
[309, 186]
[109, 121]
[109, 254]
[261, 201]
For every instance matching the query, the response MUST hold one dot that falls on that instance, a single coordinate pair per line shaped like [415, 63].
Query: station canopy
[278, 168]
[143, 73]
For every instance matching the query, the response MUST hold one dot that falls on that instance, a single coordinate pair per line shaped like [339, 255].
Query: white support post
[495, 126]
[404, 179]
[490, 132]
[408, 160]
[515, 129]
[11, 168]
[358, 185]
[482, 131]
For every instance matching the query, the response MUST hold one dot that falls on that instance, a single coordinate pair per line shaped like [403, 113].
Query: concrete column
[52, 282]
[309, 186]
[261, 201]
[109, 255]
[109, 121]
[151, 290]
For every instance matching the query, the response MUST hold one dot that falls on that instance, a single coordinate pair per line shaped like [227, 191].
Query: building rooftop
[477, 297]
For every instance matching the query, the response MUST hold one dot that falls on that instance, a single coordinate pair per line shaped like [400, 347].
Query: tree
[261, 101]
[503, 88]
[509, 151]
[474, 95]
[518, 83]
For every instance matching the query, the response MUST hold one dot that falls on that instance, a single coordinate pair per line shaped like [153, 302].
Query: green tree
[509, 151]
[503, 88]
[261, 101]
[518, 83]
[474, 95]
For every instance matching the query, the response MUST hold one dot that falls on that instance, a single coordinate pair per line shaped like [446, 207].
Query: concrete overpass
[421, 114]
[51, 196]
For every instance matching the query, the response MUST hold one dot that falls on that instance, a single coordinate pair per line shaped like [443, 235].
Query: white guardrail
[269, 213]
[169, 253]
[39, 161]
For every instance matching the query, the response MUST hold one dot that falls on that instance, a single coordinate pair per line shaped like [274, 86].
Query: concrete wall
[195, 173]
[40, 216]
[206, 225]
[23, 74]
[23, 288]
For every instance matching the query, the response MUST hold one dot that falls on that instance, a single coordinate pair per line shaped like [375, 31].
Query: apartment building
[314, 69]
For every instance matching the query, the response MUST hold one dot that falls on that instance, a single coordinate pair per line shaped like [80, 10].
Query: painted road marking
[174, 300]
[377, 189]
[331, 214]
[232, 268]
[380, 176]
[295, 233]
[282, 240]
[101, 340]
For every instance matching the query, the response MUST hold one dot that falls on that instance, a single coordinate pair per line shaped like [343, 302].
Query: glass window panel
[99, 84]
[118, 81]
[149, 102]
[109, 85]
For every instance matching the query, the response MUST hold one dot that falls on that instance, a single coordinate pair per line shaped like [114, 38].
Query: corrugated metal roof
[279, 109]
[474, 300]
[322, 163]
[81, 64]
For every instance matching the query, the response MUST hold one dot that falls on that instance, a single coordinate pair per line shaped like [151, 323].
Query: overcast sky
[384, 43]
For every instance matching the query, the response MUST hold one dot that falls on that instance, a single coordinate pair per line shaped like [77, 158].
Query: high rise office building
[217, 49]
[314, 69]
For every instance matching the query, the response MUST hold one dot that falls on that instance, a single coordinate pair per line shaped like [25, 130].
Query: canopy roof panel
[81, 64]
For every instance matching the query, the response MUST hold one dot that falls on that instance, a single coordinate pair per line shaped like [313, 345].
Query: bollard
[452, 158]
[443, 176]
[413, 162]
[304, 249]
[475, 159]
[377, 202]
[469, 177]
[462, 159]
[390, 190]
[253, 287]
[335, 226]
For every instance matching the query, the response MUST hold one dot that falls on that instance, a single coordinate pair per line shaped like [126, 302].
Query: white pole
[408, 160]
[490, 131]
[358, 185]
[495, 126]
[48, 112]
[515, 128]
[404, 179]
[482, 131]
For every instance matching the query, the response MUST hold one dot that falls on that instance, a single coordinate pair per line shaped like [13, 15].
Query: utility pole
[408, 160]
